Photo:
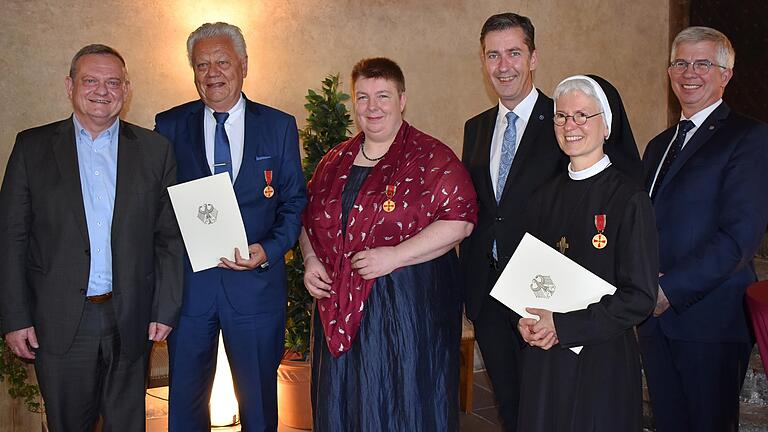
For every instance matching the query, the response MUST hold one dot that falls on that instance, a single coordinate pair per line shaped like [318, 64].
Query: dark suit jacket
[44, 246]
[711, 213]
[538, 159]
[271, 143]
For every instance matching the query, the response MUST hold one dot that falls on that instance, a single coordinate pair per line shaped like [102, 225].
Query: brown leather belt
[101, 298]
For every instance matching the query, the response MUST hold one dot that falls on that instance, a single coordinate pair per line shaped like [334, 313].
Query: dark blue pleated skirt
[402, 372]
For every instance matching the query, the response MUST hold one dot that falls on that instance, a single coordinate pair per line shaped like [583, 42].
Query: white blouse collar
[594, 170]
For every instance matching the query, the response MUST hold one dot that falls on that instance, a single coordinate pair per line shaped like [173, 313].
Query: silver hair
[580, 85]
[218, 29]
[724, 53]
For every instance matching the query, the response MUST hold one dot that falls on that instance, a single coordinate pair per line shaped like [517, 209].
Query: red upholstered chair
[757, 303]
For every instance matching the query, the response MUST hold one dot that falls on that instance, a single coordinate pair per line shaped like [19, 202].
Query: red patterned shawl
[430, 184]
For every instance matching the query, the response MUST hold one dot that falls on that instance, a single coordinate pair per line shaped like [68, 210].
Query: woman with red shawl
[386, 209]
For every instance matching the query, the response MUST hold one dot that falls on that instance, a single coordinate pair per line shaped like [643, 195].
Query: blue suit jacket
[271, 143]
[711, 213]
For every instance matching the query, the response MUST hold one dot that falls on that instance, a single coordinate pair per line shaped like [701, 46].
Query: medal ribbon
[268, 177]
[600, 222]
[390, 191]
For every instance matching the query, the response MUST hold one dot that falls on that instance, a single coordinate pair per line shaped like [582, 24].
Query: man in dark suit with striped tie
[706, 176]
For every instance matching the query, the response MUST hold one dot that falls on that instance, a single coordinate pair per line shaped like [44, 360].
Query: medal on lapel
[269, 191]
[389, 205]
[599, 241]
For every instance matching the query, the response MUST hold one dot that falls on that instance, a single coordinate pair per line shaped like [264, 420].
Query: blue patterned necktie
[222, 157]
[674, 150]
[507, 153]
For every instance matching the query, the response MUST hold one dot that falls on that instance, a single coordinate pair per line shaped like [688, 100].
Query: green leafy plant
[14, 372]
[327, 125]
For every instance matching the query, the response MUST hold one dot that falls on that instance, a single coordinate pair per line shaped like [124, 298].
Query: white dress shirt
[235, 127]
[523, 111]
[698, 120]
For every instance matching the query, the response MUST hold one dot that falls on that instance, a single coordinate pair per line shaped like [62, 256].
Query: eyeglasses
[580, 118]
[701, 67]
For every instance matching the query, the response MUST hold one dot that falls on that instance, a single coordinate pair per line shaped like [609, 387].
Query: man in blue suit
[245, 299]
[706, 177]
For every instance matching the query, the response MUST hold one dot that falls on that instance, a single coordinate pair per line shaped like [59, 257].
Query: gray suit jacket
[44, 246]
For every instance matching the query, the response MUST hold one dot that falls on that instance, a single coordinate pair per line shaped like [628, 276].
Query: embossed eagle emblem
[207, 213]
[543, 286]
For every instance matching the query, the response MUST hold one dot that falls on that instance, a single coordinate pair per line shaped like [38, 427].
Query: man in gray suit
[90, 254]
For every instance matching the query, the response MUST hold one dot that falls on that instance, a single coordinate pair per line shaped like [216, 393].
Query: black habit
[600, 388]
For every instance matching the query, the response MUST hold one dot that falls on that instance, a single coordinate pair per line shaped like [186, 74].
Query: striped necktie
[674, 150]
[222, 157]
[507, 153]
[507, 156]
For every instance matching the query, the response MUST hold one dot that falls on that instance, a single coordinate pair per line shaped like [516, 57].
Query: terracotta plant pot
[294, 406]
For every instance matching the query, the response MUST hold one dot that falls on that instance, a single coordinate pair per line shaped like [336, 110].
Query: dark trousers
[500, 344]
[694, 386]
[93, 378]
[254, 345]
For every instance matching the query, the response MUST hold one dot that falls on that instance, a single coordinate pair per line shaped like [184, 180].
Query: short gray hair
[218, 29]
[724, 53]
[98, 49]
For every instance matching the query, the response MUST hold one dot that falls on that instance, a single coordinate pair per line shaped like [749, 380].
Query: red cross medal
[599, 241]
[269, 191]
[389, 205]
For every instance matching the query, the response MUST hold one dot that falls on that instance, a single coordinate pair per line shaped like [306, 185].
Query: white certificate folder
[538, 276]
[210, 220]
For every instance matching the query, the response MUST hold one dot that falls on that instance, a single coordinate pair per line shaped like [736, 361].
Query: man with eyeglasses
[706, 176]
[90, 253]
[510, 151]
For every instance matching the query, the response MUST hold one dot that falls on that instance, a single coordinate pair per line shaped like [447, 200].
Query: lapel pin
[541, 116]
[711, 127]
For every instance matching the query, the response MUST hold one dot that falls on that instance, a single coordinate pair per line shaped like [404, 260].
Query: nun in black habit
[600, 212]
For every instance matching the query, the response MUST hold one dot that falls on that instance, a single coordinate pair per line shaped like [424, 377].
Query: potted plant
[14, 372]
[327, 125]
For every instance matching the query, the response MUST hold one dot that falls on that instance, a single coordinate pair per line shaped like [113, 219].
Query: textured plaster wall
[293, 44]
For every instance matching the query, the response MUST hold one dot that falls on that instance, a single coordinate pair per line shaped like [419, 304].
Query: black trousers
[93, 379]
[500, 344]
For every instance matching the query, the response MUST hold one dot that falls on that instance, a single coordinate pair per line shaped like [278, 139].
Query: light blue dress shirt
[97, 161]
